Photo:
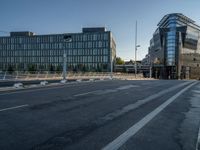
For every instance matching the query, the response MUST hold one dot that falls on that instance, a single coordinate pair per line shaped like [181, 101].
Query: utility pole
[64, 65]
[111, 65]
[66, 39]
[150, 68]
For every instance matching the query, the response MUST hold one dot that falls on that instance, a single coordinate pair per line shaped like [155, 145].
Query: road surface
[107, 115]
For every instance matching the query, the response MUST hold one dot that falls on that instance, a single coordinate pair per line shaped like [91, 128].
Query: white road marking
[31, 90]
[127, 87]
[130, 107]
[119, 141]
[83, 94]
[16, 107]
[196, 91]
[100, 92]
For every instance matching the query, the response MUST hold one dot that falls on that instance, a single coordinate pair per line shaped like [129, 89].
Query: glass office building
[92, 50]
[174, 50]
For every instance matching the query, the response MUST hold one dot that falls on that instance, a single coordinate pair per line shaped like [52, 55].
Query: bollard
[43, 83]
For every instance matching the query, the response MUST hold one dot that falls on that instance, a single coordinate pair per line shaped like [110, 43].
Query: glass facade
[175, 46]
[86, 51]
[171, 48]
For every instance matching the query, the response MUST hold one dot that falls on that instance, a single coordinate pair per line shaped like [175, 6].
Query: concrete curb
[34, 86]
[6, 89]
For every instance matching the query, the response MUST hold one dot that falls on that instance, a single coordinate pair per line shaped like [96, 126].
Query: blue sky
[119, 16]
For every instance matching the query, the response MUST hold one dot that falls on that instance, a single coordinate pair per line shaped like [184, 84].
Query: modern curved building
[174, 50]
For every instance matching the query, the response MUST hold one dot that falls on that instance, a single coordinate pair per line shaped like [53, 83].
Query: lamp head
[138, 46]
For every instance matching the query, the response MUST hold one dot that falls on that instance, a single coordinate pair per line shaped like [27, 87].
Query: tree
[124, 69]
[119, 61]
[51, 68]
[75, 68]
[10, 69]
[59, 69]
[105, 67]
[32, 68]
[85, 68]
[99, 68]
[132, 61]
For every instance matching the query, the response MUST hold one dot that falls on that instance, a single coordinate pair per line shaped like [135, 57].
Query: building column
[179, 60]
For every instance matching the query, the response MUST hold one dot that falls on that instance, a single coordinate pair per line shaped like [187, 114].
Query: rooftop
[185, 18]
[96, 29]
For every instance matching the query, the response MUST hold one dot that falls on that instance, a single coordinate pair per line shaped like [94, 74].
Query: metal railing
[47, 75]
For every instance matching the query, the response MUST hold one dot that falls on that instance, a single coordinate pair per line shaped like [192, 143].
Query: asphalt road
[108, 115]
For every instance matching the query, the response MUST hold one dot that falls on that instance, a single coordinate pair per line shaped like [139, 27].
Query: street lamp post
[111, 65]
[66, 39]
[136, 60]
[150, 67]
[136, 46]
[64, 65]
